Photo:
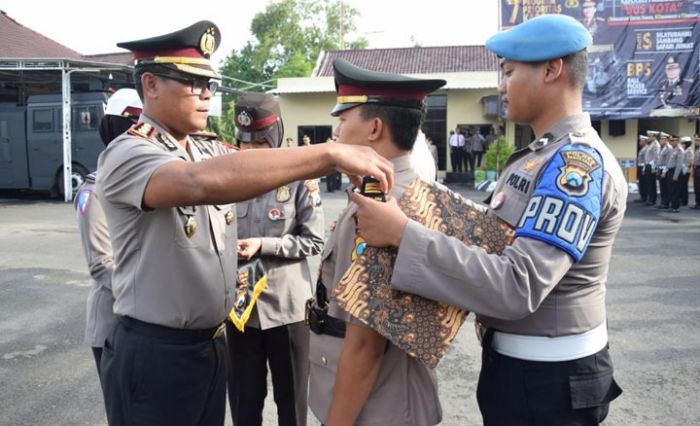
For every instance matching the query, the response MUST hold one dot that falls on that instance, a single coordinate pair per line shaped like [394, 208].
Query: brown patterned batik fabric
[421, 327]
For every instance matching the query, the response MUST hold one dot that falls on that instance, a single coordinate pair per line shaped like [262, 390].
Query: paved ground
[48, 377]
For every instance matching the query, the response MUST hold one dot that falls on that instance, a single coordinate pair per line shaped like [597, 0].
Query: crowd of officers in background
[467, 148]
[670, 161]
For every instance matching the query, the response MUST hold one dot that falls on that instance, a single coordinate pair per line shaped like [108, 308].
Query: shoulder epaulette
[142, 130]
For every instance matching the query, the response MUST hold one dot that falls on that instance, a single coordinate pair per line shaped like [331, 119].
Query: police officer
[541, 302]
[283, 227]
[167, 200]
[686, 142]
[651, 158]
[662, 169]
[674, 169]
[123, 110]
[357, 376]
[641, 182]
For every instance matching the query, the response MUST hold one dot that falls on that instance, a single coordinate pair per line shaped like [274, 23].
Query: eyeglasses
[197, 85]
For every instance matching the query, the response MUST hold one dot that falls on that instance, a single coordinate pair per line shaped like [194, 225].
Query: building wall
[306, 109]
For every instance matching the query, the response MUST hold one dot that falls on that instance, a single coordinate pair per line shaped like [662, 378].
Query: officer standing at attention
[651, 158]
[123, 110]
[662, 168]
[283, 227]
[696, 172]
[674, 167]
[686, 141]
[541, 303]
[167, 199]
[641, 183]
[357, 376]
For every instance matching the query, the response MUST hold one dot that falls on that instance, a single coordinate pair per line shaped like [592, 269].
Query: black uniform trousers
[650, 180]
[456, 158]
[683, 179]
[286, 348]
[664, 189]
[641, 183]
[468, 159]
[516, 392]
[155, 375]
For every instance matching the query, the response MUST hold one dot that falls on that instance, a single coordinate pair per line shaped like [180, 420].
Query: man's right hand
[358, 161]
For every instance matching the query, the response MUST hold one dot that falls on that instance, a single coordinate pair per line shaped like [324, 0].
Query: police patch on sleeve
[83, 200]
[564, 209]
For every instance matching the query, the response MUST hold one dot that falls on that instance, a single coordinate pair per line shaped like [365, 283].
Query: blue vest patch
[564, 209]
[83, 200]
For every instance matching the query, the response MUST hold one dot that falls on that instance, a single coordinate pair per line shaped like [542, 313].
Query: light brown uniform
[405, 391]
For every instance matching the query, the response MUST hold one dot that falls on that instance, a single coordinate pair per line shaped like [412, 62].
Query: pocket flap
[593, 390]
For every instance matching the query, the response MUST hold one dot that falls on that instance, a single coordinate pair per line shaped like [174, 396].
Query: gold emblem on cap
[190, 227]
[207, 43]
[229, 217]
[244, 119]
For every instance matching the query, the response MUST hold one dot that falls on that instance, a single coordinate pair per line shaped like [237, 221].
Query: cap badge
[207, 43]
[497, 200]
[244, 119]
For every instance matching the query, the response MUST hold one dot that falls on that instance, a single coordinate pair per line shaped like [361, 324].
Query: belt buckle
[219, 331]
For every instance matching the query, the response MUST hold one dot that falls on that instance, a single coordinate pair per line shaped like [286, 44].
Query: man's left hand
[381, 224]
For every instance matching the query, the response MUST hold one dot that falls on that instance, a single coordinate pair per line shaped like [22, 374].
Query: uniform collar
[166, 135]
[401, 163]
[571, 124]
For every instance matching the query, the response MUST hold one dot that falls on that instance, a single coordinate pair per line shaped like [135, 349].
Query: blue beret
[542, 38]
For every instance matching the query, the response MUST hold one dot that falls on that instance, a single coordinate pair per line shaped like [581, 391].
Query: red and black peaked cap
[257, 117]
[186, 51]
[356, 86]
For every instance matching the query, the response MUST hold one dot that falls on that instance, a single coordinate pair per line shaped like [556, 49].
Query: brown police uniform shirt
[405, 392]
[97, 248]
[162, 275]
[535, 287]
[289, 222]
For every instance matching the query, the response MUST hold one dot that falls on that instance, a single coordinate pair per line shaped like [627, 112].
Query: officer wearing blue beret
[168, 199]
[540, 304]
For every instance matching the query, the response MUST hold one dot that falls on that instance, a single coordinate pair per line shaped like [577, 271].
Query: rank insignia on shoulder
[283, 194]
[166, 142]
[142, 129]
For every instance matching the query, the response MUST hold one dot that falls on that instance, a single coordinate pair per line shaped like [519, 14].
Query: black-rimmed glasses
[197, 85]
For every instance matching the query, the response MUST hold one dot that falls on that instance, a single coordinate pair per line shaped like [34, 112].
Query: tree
[288, 37]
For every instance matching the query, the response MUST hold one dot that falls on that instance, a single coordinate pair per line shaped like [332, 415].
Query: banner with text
[645, 58]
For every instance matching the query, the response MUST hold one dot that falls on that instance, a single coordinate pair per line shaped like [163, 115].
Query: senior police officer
[357, 376]
[123, 110]
[542, 301]
[651, 159]
[283, 227]
[641, 182]
[167, 200]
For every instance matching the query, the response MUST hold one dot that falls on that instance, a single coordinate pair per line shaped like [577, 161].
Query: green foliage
[499, 149]
[224, 126]
[288, 37]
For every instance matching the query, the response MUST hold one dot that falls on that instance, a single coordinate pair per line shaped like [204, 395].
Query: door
[45, 145]
[13, 149]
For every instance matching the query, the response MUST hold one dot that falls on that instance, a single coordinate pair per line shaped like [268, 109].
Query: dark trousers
[456, 159]
[515, 392]
[154, 375]
[641, 184]
[650, 180]
[696, 185]
[674, 189]
[478, 155]
[286, 348]
[468, 158]
[683, 179]
[333, 181]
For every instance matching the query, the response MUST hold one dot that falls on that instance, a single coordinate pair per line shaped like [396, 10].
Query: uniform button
[324, 360]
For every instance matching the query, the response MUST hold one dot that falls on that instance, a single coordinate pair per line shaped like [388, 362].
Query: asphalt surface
[48, 377]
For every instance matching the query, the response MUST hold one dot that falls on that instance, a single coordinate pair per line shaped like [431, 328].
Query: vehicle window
[42, 120]
[85, 118]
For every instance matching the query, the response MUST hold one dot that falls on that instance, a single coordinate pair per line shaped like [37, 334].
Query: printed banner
[645, 58]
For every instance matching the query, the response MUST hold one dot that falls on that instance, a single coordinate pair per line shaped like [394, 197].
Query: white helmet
[124, 103]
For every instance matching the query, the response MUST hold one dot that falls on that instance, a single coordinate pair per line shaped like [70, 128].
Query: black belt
[180, 335]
